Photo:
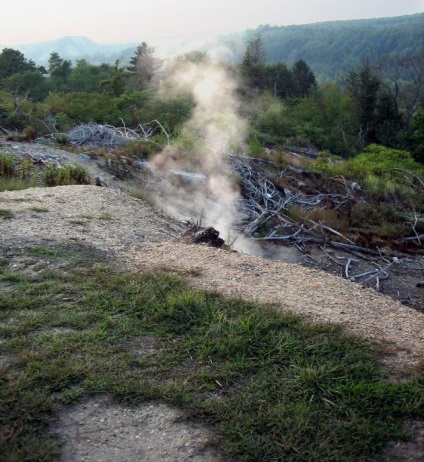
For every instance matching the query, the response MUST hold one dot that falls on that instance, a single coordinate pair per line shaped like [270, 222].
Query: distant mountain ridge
[80, 47]
[328, 47]
[73, 48]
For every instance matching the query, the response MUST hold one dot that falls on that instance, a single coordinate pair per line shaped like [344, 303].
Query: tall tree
[403, 79]
[144, 67]
[304, 77]
[117, 83]
[86, 77]
[278, 79]
[252, 65]
[363, 87]
[13, 62]
[59, 70]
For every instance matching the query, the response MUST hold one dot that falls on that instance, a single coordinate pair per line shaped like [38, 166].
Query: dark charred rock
[198, 235]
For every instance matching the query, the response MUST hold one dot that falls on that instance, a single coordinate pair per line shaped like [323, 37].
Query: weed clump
[67, 175]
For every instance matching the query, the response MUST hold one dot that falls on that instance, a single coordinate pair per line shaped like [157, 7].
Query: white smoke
[214, 130]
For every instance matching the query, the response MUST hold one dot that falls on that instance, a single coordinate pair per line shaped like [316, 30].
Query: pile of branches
[98, 135]
[265, 207]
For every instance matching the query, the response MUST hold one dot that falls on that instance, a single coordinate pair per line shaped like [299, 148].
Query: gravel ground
[99, 430]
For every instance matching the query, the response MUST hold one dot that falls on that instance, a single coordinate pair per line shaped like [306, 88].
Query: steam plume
[214, 129]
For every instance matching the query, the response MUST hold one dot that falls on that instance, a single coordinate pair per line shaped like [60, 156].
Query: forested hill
[330, 48]
[335, 47]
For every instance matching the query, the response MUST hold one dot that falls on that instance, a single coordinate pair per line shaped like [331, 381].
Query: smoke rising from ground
[213, 131]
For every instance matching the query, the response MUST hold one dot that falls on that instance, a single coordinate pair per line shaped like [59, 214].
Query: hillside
[328, 47]
[335, 47]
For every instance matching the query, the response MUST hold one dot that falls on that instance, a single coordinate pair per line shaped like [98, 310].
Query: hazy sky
[108, 21]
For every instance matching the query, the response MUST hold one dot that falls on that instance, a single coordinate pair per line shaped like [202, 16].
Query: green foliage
[84, 108]
[379, 160]
[330, 46]
[67, 175]
[59, 70]
[253, 61]
[255, 147]
[363, 87]
[15, 176]
[14, 62]
[304, 78]
[61, 139]
[143, 68]
[273, 125]
[142, 149]
[413, 139]
[7, 165]
[326, 119]
[63, 123]
[6, 214]
[116, 84]
[393, 184]
[30, 83]
[133, 109]
[86, 77]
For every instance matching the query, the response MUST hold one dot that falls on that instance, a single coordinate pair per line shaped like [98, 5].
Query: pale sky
[111, 21]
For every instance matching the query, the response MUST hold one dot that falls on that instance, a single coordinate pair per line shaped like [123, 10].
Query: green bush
[60, 176]
[378, 160]
[255, 147]
[7, 165]
[84, 108]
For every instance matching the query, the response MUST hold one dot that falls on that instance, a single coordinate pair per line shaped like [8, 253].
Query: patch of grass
[6, 214]
[67, 175]
[77, 222]
[273, 387]
[105, 216]
[16, 184]
[3, 264]
[39, 209]
[43, 251]
[7, 165]
[142, 194]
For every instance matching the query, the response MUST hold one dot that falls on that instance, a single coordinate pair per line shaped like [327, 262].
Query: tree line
[375, 103]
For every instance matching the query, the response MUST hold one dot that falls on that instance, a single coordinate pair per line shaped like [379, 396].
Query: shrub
[7, 165]
[60, 176]
[30, 133]
[61, 139]
[141, 149]
[255, 147]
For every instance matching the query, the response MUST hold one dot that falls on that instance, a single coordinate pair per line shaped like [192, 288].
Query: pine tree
[144, 67]
[304, 77]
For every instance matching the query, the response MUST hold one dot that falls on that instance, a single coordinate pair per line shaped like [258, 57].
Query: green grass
[39, 209]
[15, 184]
[272, 387]
[6, 214]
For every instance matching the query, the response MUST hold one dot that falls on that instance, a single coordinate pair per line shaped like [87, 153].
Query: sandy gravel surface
[313, 294]
[142, 238]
